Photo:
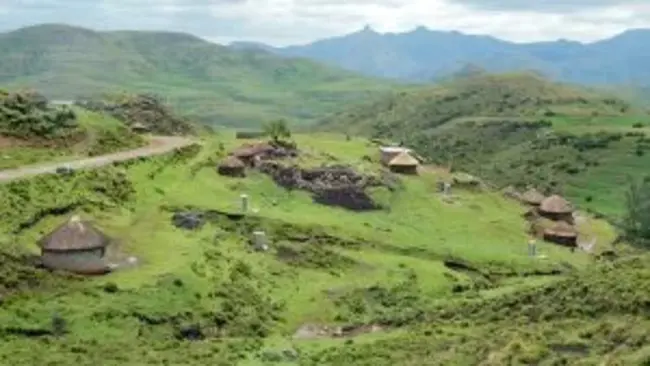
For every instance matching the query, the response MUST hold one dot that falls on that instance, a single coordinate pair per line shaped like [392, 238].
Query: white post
[446, 189]
[244, 202]
[259, 241]
[532, 248]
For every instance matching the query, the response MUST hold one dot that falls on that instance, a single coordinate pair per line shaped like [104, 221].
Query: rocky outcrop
[335, 185]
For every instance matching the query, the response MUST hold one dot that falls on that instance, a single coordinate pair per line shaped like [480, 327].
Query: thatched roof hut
[251, 150]
[561, 233]
[75, 234]
[403, 163]
[533, 197]
[139, 127]
[232, 166]
[556, 205]
[403, 159]
[75, 246]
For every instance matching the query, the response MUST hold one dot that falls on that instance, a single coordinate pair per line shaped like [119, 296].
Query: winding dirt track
[157, 145]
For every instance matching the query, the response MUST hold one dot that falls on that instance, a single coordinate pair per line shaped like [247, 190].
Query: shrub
[636, 224]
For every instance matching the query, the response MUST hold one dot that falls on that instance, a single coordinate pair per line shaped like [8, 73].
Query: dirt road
[157, 145]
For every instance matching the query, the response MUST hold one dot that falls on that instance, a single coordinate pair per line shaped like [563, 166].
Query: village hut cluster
[551, 217]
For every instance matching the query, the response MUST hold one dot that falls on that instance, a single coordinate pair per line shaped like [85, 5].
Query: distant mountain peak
[367, 29]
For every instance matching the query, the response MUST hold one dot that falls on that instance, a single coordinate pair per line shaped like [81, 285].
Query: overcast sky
[282, 22]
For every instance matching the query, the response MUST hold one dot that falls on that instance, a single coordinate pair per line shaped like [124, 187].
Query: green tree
[278, 130]
[637, 219]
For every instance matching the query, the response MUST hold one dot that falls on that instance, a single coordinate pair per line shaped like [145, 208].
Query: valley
[231, 207]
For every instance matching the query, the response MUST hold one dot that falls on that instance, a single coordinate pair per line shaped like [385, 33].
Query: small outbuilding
[232, 167]
[139, 127]
[388, 153]
[249, 153]
[532, 197]
[557, 208]
[562, 233]
[404, 163]
[75, 246]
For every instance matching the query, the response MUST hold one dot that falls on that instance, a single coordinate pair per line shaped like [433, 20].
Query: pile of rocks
[335, 185]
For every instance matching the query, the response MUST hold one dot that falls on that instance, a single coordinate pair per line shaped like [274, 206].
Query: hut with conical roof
[75, 246]
[562, 233]
[557, 208]
[232, 167]
[403, 163]
[140, 127]
[532, 197]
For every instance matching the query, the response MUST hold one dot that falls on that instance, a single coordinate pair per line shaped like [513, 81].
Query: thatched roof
[556, 205]
[232, 162]
[533, 197]
[74, 234]
[403, 159]
[139, 126]
[561, 229]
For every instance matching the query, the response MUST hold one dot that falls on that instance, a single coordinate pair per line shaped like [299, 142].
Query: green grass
[209, 83]
[388, 262]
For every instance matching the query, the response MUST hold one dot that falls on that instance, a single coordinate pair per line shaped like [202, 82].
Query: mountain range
[424, 55]
[209, 82]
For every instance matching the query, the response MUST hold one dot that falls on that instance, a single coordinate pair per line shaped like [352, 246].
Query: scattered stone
[231, 167]
[188, 220]
[191, 333]
[334, 185]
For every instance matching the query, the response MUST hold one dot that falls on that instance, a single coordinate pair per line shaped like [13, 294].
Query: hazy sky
[282, 22]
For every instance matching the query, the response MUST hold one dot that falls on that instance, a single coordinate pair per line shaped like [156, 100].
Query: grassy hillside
[32, 130]
[204, 296]
[211, 83]
[518, 129]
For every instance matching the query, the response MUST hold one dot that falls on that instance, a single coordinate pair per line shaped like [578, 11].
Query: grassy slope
[101, 134]
[212, 83]
[490, 125]
[210, 277]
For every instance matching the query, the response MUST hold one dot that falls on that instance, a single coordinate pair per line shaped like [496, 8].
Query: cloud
[282, 22]
[546, 6]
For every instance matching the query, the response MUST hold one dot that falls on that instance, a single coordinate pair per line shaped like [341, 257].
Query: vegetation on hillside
[27, 115]
[517, 129]
[637, 218]
[334, 287]
[209, 83]
[143, 111]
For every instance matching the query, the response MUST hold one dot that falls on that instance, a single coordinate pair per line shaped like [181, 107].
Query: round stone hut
[232, 167]
[562, 233]
[556, 208]
[404, 163]
[532, 197]
[75, 246]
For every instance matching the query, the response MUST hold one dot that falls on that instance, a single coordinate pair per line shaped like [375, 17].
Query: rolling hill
[334, 287]
[424, 55]
[517, 129]
[211, 83]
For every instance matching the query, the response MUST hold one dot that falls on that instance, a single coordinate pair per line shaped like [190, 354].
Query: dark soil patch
[334, 185]
[190, 333]
[571, 348]
[313, 256]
